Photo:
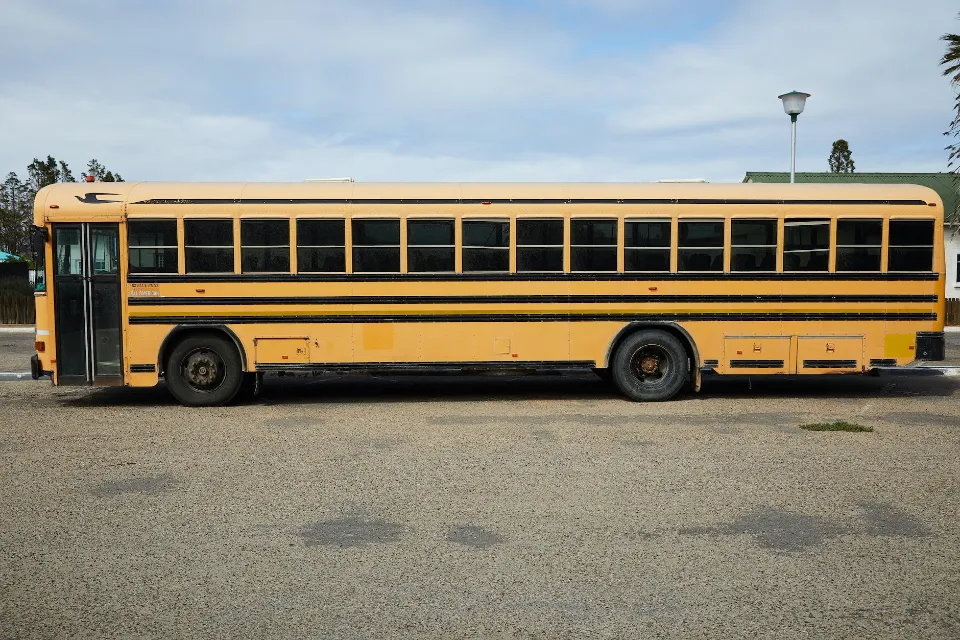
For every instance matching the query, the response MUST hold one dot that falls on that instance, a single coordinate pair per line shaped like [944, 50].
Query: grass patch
[839, 425]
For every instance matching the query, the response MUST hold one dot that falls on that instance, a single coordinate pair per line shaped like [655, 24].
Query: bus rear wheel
[650, 366]
[204, 370]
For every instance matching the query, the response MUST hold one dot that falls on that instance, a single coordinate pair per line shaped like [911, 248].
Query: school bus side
[652, 331]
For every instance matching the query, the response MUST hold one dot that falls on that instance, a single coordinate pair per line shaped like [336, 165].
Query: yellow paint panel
[141, 379]
[386, 342]
[282, 351]
[377, 337]
[899, 345]
[331, 343]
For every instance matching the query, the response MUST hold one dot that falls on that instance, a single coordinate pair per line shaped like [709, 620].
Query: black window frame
[769, 248]
[546, 249]
[285, 223]
[926, 248]
[577, 248]
[452, 247]
[187, 247]
[637, 249]
[685, 251]
[158, 249]
[502, 248]
[342, 245]
[354, 247]
[844, 249]
[790, 223]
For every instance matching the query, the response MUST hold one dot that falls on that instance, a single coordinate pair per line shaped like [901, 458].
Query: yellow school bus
[209, 286]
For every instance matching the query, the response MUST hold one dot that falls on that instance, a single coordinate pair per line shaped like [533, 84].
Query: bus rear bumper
[931, 346]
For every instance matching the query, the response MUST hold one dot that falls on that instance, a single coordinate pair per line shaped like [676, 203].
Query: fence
[16, 294]
[953, 313]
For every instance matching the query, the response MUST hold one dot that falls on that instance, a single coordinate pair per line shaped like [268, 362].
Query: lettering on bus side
[144, 290]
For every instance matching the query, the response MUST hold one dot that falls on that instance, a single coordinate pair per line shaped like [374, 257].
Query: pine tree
[951, 68]
[100, 173]
[840, 160]
[16, 214]
[49, 171]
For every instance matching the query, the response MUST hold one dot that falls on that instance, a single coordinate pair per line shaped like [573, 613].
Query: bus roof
[110, 199]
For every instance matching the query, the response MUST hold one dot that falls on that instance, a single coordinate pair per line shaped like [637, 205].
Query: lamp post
[793, 106]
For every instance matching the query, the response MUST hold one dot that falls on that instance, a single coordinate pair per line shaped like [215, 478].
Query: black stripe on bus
[756, 364]
[383, 367]
[528, 277]
[829, 364]
[555, 201]
[143, 368]
[522, 299]
[527, 317]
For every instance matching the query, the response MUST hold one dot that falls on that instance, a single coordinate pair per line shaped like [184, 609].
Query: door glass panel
[105, 251]
[69, 255]
[106, 328]
[71, 338]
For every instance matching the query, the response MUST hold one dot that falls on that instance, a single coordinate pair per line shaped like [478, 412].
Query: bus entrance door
[86, 298]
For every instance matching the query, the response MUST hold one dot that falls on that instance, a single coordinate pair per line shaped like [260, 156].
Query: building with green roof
[945, 184]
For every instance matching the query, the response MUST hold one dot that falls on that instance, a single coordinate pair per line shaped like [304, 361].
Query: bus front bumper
[36, 372]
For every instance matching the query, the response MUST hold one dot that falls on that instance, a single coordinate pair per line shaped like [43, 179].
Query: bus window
[265, 246]
[593, 245]
[376, 246]
[858, 245]
[753, 245]
[430, 246]
[486, 245]
[321, 247]
[911, 245]
[700, 245]
[806, 245]
[152, 246]
[646, 245]
[540, 245]
[208, 246]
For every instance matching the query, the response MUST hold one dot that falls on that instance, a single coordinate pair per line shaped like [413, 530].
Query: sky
[471, 90]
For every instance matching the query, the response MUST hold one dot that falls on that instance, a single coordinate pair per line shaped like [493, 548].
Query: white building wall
[951, 247]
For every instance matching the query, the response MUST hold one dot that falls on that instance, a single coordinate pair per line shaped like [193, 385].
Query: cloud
[464, 90]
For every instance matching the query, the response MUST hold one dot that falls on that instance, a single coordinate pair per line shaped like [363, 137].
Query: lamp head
[793, 102]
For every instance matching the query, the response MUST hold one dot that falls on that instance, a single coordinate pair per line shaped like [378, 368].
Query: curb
[15, 376]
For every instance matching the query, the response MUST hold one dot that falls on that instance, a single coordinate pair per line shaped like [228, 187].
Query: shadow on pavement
[341, 389]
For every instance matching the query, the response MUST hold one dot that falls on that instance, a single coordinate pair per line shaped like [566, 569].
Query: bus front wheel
[650, 366]
[204, 370]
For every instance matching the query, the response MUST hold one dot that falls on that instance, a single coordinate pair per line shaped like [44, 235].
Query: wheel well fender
[181, 331]
[670, 327]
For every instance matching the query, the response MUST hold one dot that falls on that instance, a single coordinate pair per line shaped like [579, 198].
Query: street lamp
[793, 106]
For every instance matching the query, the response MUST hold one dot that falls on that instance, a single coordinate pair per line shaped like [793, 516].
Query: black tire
[650, 366]
[204, 370]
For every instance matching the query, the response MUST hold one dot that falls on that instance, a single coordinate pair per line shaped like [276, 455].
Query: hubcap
[650, 363]
[203, 370]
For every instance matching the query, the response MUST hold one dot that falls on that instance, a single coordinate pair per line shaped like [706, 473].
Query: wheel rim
[203, 370]
[650, 364]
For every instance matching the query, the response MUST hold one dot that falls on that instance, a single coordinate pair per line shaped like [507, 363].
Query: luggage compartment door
[830, 354]
[756, 354]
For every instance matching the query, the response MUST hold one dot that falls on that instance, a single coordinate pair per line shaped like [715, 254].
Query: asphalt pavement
[443, 507]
